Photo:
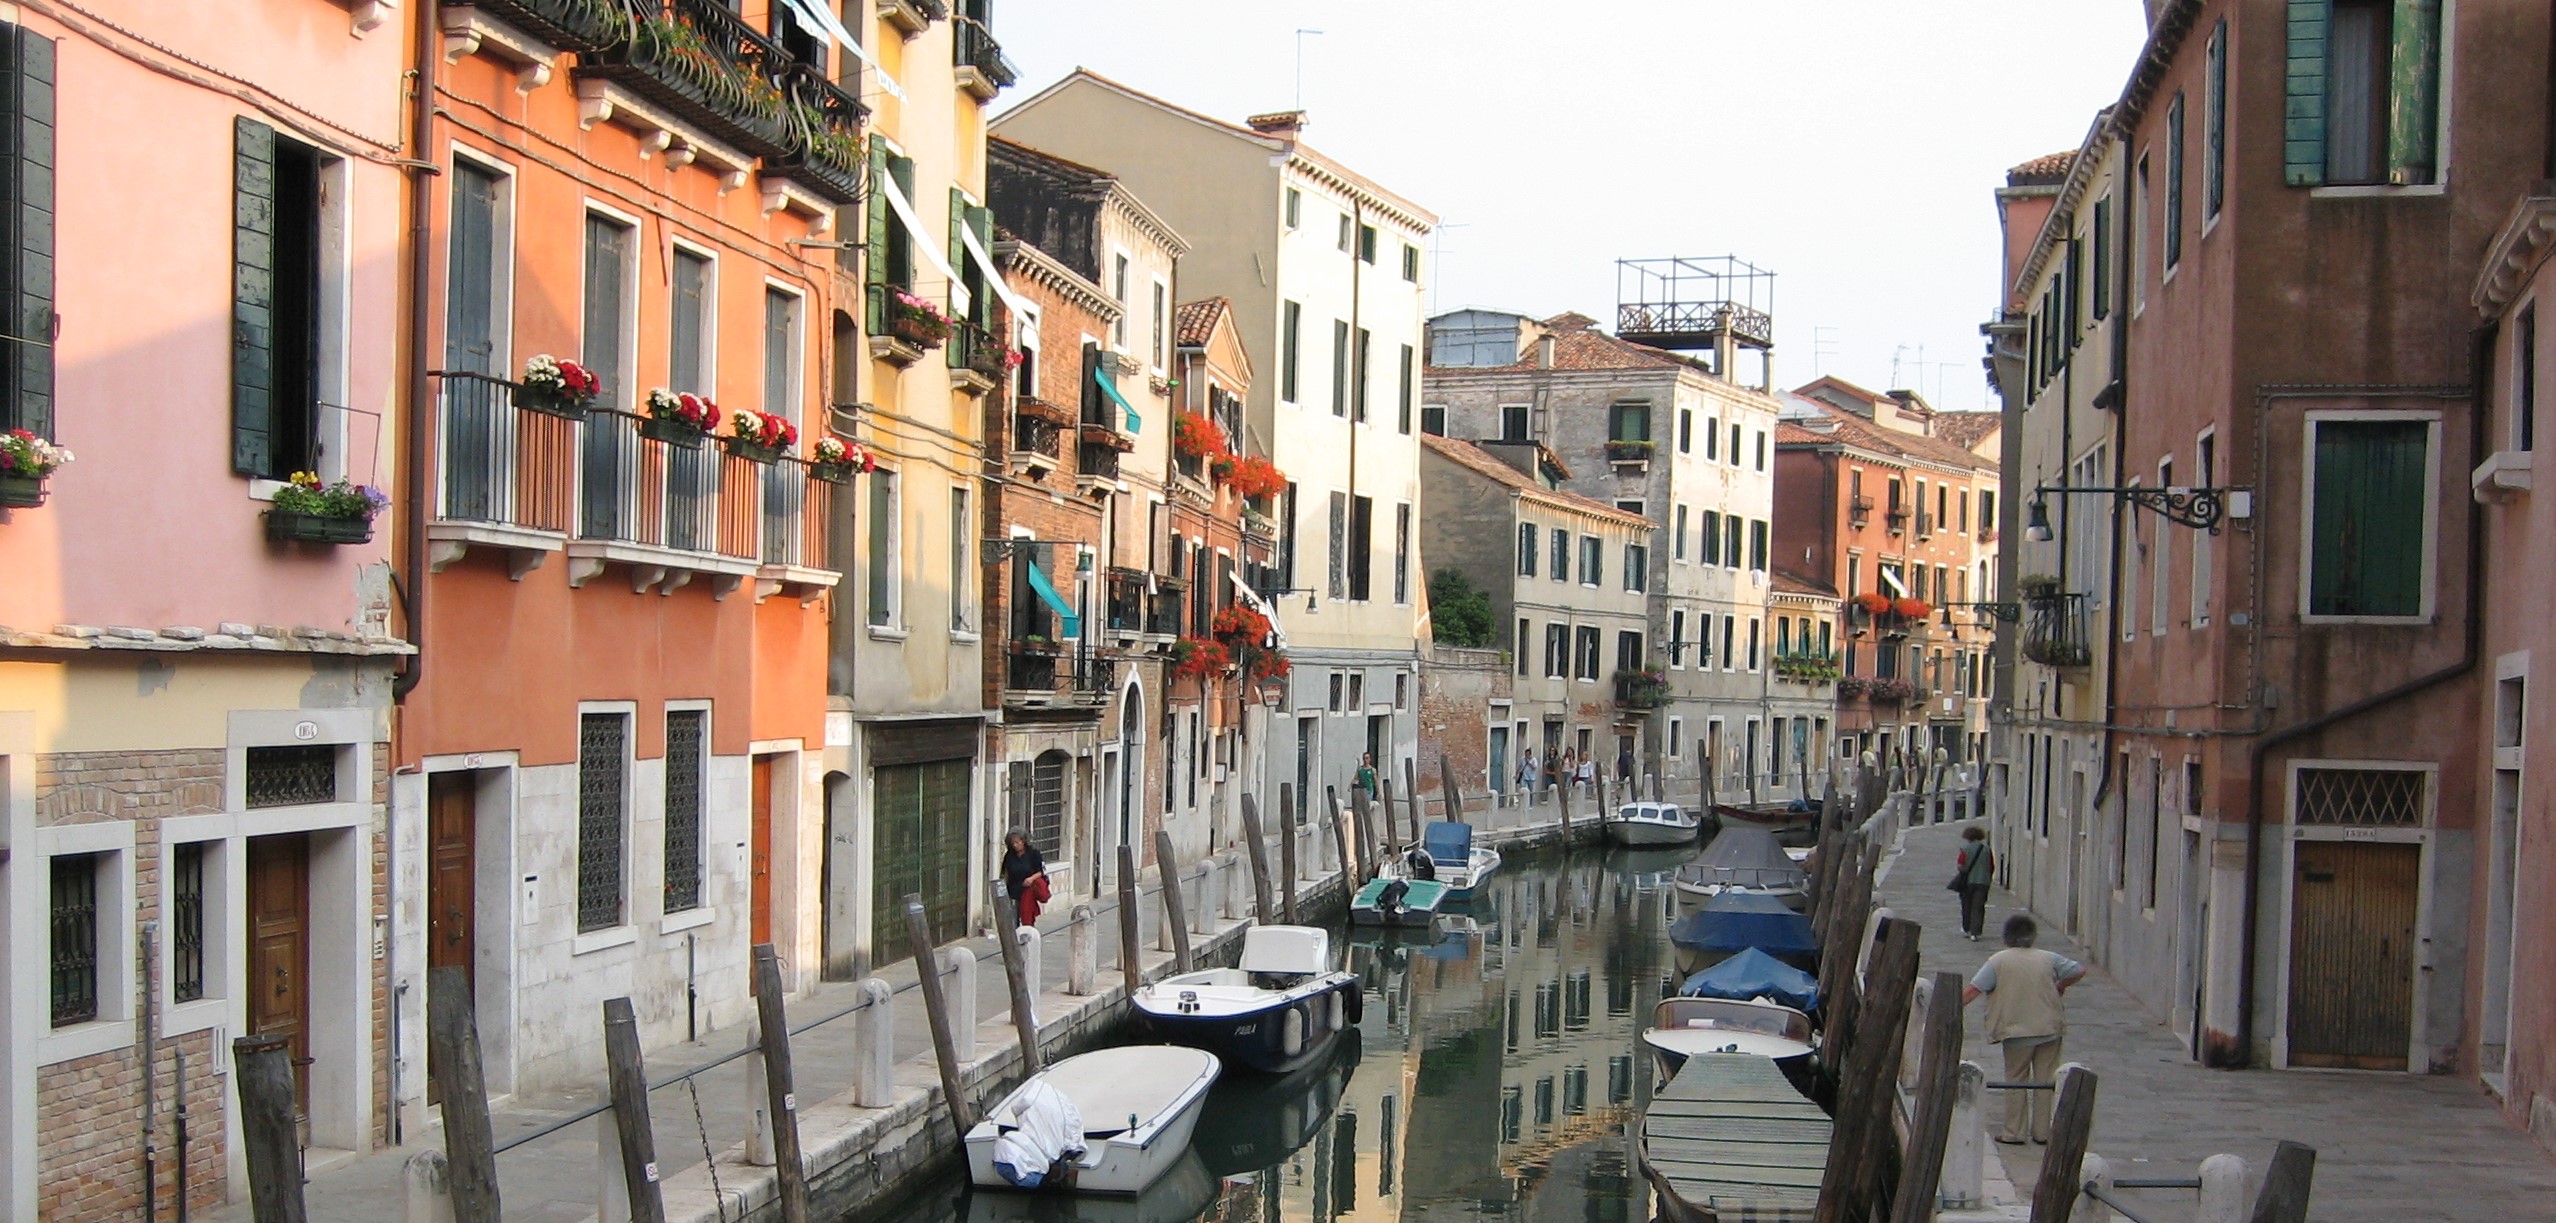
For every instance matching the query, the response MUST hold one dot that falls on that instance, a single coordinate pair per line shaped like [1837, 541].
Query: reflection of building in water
[1498, 1062]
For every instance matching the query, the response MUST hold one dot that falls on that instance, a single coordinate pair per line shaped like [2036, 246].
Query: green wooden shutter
[2367, 554]
[874, 265]
[26, 233]
[253, 298]
[2303, 122]
[956, 351]
[2413, 91]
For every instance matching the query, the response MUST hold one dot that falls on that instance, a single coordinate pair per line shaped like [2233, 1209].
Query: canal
[1491, 1076]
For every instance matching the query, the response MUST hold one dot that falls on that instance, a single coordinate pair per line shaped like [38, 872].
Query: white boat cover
[1138, 1082]
[1037, 1127]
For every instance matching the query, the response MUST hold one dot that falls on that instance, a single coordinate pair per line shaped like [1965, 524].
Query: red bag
[1034, 895]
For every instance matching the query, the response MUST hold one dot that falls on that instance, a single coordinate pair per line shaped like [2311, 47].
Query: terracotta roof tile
[1588, 349]
[1481, 462]
[1789, 434]
[1852, 430]
[1788, 582]
[2047, 169]
[1965, 429]
[1194, 321]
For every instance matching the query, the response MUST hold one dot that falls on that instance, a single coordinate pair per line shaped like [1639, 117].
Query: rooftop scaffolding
[1687, 303]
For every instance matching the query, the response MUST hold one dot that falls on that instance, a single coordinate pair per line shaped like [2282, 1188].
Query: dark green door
[921, 848]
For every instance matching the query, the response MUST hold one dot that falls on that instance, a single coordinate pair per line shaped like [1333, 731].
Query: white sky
[1852, 146]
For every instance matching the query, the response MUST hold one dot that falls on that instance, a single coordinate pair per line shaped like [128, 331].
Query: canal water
[1491, 1076]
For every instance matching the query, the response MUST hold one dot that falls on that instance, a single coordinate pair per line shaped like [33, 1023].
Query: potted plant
[25, 460]
[1200, 657]
[311, 512]
[2038, 585]
[1196, 437]
[916, 321]
[759, 436]
[1037, 643]
[1872, 603]
[994, 362]
[835, 461]
[679, 420]
[557, 388]
[1911, 609]
[1256, 478]
[1627, 451]
[1853, 686]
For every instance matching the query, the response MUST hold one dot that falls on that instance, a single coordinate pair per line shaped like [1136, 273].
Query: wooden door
[451, 869]
[759, 854]
[279, 907]
[2352, 907]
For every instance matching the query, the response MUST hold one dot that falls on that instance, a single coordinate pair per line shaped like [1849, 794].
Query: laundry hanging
[814, 13]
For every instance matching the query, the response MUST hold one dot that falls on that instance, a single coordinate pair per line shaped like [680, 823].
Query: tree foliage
[1459, 613]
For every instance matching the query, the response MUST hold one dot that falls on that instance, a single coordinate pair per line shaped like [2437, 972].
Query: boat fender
[1356, 995]
[1339, 1010]
[1291, 1038]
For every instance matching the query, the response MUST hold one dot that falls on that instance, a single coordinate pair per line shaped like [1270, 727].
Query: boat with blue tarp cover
[1731, 922]
[1751, 973]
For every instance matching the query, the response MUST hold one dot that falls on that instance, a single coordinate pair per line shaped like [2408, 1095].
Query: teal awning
[1073, 624]
[1109, 387]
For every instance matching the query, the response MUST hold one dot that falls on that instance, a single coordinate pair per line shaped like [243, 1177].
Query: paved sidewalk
[2389, 1146]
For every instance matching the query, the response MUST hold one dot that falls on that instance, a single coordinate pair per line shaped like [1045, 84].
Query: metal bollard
[2222, 1190]
[874, 1034]
[426, 1189]
[1082, 953]
[962, 995]
[1966, 1146]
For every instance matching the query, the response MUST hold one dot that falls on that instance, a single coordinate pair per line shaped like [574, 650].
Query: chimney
[1284, 124]
[1544, 352]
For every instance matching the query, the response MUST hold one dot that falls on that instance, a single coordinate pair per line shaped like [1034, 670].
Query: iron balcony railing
[2055, 631]
[701, 60]
[570, 25]
[504, 464]
[1033, 435]
[1859, 510]
[976, 48]
[646, 490]
[1126, 600]
[1079, 673]
[1641, 689]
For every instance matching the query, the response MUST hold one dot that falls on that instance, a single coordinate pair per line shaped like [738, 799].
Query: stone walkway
[2389, 1146]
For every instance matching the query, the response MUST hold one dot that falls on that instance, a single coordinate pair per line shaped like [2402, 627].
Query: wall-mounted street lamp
[2202, 509]
[2010, 613]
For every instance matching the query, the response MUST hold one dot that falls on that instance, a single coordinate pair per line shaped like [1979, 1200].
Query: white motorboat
[1457, 860]
[1743, 859]
[1690, 1027]
[1645, 823]
[1112, 1120]
[1274, 1013]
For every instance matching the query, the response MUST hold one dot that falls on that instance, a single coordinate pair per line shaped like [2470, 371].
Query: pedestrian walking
[2026, 1017]
[1527, 773]
[1553, 768]
[1587, 774]
[1972, 869]
[1365, 780]
[1624, 764]
[1024, 876]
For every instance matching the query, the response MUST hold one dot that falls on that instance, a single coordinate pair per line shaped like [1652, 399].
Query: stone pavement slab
[2389, 1147]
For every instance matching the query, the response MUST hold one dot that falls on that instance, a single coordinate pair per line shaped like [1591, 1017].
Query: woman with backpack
[1973, 868]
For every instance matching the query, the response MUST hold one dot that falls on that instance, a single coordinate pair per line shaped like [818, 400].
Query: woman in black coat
[1024, 876]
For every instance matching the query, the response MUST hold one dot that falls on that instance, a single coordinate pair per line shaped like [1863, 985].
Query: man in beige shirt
[2025, 1015]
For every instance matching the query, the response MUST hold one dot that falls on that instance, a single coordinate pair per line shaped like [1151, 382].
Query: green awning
[1073, 624]
[1109, 387]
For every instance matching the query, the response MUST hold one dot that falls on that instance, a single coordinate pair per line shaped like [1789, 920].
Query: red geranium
[1873, 602]
[1194, 436]
[1200, 657]
[1911, 609]
[1254, 476]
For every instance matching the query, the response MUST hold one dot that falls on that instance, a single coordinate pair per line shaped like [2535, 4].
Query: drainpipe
[2480, 358]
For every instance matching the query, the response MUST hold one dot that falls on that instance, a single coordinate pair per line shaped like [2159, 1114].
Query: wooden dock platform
[1731, 1140]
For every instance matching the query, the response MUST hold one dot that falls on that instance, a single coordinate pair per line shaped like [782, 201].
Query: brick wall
[1456, 691]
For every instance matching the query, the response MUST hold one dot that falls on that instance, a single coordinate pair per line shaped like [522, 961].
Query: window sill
[261, 489]
[2366, 621]
[964, 636]
[688, 919]
[87, 1039]
[603, 940]
[2367, 191]
[885, 632]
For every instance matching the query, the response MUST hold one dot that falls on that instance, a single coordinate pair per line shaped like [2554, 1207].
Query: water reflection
[1485, 1081]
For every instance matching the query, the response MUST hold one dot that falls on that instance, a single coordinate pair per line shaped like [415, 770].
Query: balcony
[1925, 526]
[1641, 689]
[1035, 444]
[1896, 518]
[1125, 599]
[507, 476]
[1807, 668]
[912, 17]
[826, 156]
[1096, 455]
[1859, 511]
[982, 69]
[976, 360]
[569, 25]
[2055, 631]
[702, 63]
[1044, 675]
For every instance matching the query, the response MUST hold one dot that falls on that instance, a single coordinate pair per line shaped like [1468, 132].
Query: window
[1291, 346]
[1735, 441]
[1038, 800]
[1287, 509]
[1367, 244]
[1712, 537]
[1411, 263]
[284, 304]
[1520, 645]
[2363, 93]
[186, 922]
[26, 232]
[1162, 335]
[1677, 542]
[962, 560]
[1730, 629]
[1526, 549]
[1637, 567]
[1757, 544]
[1592, 560]
[297, 775]
[1686, 430]
[2162, 557]
[1628, 421]
[478, 243]
[1295, 208]
[1339, 545]
[2214, 122]
[2135, 247]
[1433, 417]
[1513, 422]
[1339, 367]
[609, 348]
[1358, 375]
[2369, 507]
[781, 362]
[1761, 450]
[1704, 641]
[73, 908]
[689, 355]
[1676, 737]
[889, 259]
[686, 742]
[1557, 647]
[1345, 232]
[1402, 552]
[1585, 653]
[2102, 271]
[1731, 540]
[602, 806]
[1561, 555]
[1402, 404]
[1339, 686]
[1755, 626]
[1118, 293]
[1628, 651]
[2174, 183]
[886, 565]
[1362, 547]
[1677, 640]
[1631, 505]
[1713, 438]
[2525, 379]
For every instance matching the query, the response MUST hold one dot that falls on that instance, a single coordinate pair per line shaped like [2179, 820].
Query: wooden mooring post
[1392, 834]
[452, 1059]
[1131, 964]
[1452, 794]
[1921, 1167]
[626, 1077]
[1865, 1092]
[1286, 858]
[2054, 1195]
[1267, 905]
[1340, 837]
[262, 1070]
[1175, 913]
[780, 1090]
[936, 1010]
[1008, 936]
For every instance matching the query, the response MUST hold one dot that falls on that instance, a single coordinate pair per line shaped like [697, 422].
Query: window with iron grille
[684, 735]
[75, 938]
[292, 776]
[601, 806]
[186, 922]
[1046, 815]
[2361, 798]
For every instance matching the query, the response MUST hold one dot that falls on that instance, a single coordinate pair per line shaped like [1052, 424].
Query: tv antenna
[1300, 64]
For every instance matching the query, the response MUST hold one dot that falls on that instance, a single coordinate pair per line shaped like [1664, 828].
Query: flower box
[1104, 435]
[21, 492]
[288, 526]
[756, 452]
[831, 473]
[549, 403]
[1628, 451]
[555, 387]
[921, 333]
[671, 432]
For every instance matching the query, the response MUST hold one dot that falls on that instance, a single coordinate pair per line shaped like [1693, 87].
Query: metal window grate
[292, 776]
[186, 922]
[1047, 802]
[2361, 798]
[600, 794]
[75, 938]
[683, 809]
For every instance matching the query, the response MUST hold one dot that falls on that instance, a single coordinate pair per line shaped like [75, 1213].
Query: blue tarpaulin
[1737, 921]
[1448, 841]
[1754, 974]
